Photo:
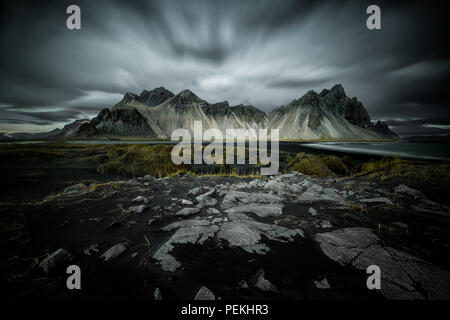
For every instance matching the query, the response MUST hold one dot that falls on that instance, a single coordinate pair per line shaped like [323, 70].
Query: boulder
[322, 284]
[55, 260]
[204, 294]
[263, 284]
[138, 209]
[312, 211]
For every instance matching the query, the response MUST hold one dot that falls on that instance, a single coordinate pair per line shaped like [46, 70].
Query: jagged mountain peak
[382, 128]
[338, 89]
[188, 94]
[341, 105]
[155, 97]
[158, 91]
[185, 100]
[330, 113]
[311, 98]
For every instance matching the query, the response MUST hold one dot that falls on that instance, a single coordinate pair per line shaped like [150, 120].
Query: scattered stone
[306, 183]
[113, 252]
[186, 202]
[55, 260]
[235, 198]
[131, 222]
[195, 191]
[188, 211]
[133, 183]
[257, 183]
[275, 185]
[150, 221]
[212, 211]
[243, 284]
[261, 210]
[262, 283]
[75, 188]
[325, 224]
[140, 199]
[204, 294]
[92, 249]
[416, 194]
[312, 211]
[157, 294]
[322, 284]
[205, 200]
[134, 255]
[138, 209]
[217, 220]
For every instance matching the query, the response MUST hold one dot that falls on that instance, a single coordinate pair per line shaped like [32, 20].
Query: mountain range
[330, 114]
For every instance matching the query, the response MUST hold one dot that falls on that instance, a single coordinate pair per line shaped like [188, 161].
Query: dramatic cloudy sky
[264, 53]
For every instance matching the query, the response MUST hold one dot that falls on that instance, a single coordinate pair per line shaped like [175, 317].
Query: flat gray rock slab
[261, 210]
[246, 234]
[236, 198]
[403, 276]
[189, 232]
[188, 211]
[113, 252]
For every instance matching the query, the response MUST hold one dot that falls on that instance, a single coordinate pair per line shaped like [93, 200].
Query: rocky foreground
[290, 236]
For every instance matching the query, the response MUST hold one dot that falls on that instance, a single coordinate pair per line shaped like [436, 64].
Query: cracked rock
[403, 275]
[55, 260]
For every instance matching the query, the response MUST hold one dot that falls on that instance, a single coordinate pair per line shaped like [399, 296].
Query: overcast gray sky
[264, 53]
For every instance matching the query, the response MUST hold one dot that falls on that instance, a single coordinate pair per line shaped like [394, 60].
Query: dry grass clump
[141, 159]
[317, 165]
[381, 164]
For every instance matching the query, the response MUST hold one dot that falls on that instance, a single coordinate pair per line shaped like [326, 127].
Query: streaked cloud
[260, 52]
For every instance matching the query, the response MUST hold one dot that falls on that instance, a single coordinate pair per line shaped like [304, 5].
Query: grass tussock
[141, 160]
[317, 165]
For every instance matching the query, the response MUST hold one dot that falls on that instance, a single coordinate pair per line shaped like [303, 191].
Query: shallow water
[433, 151]
[418, 150]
